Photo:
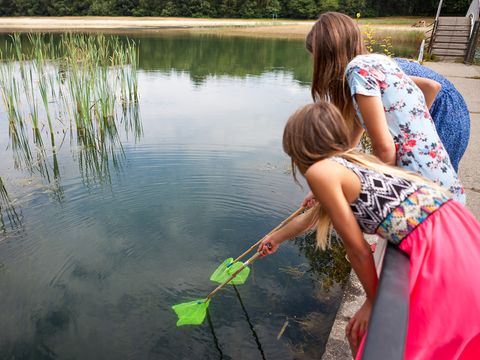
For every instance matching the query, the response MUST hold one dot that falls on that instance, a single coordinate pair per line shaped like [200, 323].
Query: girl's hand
[267, 246]
[357, 326]
[309, 201]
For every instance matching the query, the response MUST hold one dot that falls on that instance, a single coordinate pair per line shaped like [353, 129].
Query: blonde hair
[316, 132]
[334, 40]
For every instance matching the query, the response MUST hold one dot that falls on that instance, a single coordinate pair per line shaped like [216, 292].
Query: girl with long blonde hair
[375, 95]
[357, 193]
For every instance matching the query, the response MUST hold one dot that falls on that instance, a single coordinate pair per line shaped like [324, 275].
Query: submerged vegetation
[83, 86]
[330, 267]
[7, 209]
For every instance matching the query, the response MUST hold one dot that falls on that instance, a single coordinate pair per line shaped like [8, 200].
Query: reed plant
[7, 208]
[82, 85]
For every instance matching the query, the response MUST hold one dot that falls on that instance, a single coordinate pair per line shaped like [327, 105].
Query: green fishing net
[224, 271]
[191, 313]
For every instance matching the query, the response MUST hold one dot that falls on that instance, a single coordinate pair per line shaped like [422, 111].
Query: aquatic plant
[7, 208]
[78, 85]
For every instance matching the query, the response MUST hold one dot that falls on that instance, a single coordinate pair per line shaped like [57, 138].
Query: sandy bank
[247, 27]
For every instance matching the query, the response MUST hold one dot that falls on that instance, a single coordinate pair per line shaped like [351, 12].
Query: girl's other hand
[267, 246]
[309, 201]
[357, 326]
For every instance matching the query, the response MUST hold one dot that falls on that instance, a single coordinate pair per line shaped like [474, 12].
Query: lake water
[93, 257]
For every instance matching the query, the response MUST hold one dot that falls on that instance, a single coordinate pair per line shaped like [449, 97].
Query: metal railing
[474, 14]
[388, 323]
[473, 11]
[472, 43]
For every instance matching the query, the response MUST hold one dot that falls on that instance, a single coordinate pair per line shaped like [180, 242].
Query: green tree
[300, 9]
[272, 8]
[228, 8]
[169, 9]
[101, 8]
[249, 9]
[200, 8]
[328, 5]
[352, 7]
[124, 7]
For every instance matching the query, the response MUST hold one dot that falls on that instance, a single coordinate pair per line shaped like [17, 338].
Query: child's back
[418, 146]
[449, 110]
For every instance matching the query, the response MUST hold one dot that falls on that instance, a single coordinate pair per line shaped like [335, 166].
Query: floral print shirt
[418, 145]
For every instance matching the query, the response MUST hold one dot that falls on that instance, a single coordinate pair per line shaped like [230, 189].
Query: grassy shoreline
[232, 27]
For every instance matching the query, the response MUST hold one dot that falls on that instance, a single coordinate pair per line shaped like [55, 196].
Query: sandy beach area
[246, 27]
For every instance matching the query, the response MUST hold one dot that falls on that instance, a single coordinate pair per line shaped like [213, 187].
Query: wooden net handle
[219, 287]
[284, 222]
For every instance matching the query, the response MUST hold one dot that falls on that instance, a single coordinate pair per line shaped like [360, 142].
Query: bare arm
[331, 188]
[430, 88]
[356, 135]
[373, 115]
[326, 185]
[296, 227]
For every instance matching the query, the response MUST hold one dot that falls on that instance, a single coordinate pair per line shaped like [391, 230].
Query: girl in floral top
[448, 109]
[374, 94]
[356, 193]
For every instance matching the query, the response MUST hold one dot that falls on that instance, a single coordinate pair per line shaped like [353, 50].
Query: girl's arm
[330, 184]
[327, 182]
[430, 88]
[356, 135]
[373, 115]
[296, 227]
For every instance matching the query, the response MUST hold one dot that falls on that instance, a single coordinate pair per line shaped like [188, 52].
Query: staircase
[451, 38]
[454, 38]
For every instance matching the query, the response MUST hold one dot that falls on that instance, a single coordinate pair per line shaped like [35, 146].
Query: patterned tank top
[389, 206]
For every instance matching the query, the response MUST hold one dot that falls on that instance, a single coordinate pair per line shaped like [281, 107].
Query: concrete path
[467, 80]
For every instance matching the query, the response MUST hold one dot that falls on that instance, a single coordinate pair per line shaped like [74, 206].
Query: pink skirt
[444, 307]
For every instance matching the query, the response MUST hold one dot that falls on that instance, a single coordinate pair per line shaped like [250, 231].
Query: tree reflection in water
[330, 267]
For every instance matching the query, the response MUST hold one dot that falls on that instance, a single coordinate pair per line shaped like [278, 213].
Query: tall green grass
[7, 208]
[79, 85]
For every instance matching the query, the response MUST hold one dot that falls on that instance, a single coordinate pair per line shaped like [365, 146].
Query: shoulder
[332, 182]
[368, 65]
[326, 172]
[368, 60]
[357, 62]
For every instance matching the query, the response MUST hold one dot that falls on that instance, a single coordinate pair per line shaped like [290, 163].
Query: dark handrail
[388, 323]
[472, 43]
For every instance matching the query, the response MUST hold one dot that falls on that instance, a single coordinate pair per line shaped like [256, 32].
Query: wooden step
[459, 33]
[449, 58]
[454, 27]
[447, 20]
[450, 39]
[449, 46]
[448, 52]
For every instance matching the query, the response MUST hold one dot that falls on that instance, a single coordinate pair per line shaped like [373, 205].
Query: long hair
[334, 40]
[316, 132]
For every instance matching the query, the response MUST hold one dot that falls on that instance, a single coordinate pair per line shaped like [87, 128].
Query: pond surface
[93, 257]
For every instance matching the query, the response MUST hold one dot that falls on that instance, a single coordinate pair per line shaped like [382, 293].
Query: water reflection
[330, 267]
[201, 176]
[209, 55]
[250, 325]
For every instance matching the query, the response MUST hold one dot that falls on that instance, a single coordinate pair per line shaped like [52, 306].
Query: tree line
[293, 9]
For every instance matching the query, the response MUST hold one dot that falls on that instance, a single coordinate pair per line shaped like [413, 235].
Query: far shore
[151, 25]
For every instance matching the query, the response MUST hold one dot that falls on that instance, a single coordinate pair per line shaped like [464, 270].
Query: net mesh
[191, 313]
[223, 272]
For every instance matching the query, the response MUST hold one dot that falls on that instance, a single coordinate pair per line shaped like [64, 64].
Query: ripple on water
[124, 253]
